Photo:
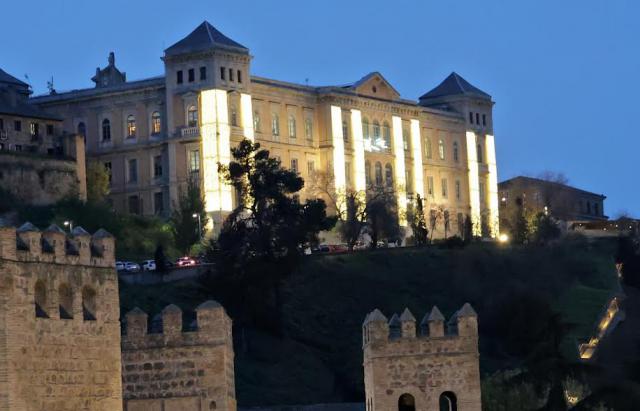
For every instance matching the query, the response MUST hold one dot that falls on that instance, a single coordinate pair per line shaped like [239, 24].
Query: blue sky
[564, 74]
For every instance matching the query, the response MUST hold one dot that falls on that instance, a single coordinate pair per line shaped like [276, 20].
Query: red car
[185, 262]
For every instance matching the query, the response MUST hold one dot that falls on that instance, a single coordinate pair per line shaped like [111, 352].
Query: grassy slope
[319, 359]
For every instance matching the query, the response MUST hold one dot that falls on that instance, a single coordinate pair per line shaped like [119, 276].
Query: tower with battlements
[59, 321]
[433, 368]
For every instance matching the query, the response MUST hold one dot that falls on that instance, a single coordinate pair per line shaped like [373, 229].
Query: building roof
[23, 109]
[8, 78]
[455, 85]
[204, 37]
[538, 181]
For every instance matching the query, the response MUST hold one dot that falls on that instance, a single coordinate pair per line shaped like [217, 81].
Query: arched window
[292, 126]
[365, 128]
[65, 302]
[386, 134]
[480, 153]
[234, 116]
[275, 124]
[345, 130]
[156, 123]
[82, 131]
[405, 139]
[40, 300]
[367, 172]
[378, 174]
[455, 151]
[376, 130]
[131, 126]
[388, 175]
[89, 305]
[256, 121]
[106, 130]
[308, 129]
[406, 402]
[427, 148]
[448, 401]
[441, 149]
[192, 116]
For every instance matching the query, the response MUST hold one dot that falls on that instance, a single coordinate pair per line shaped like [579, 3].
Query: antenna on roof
[50, 87]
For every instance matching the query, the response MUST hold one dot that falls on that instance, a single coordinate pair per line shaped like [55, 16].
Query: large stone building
[157, 133]
[39, 163]
[436, 368]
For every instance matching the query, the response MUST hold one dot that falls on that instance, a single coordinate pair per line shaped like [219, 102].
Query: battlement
[53, 245]
[376, 329]
[212, 325]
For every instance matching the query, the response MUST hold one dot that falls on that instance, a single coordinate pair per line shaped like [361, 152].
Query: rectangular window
[17, 125]
[458, 192]
[133, 170]
[158, 202]
[471, 117]
[347, 171]
[194, 163]
[223, 71]
[311, 167]
[1, 124]
[134, 205]
[192, 75]
[230, 74]
[18, 147]
[308, 129]
[294, 165]
[49, 129]
[481, 189]
[157, 166]
[179, 76]
[239, 76]
[430, 186]
[34, 129]
[477, 118]
[107, 167]
[445, 188]
[203, 73]
[484, 119]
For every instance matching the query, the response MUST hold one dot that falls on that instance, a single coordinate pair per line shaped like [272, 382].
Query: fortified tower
[59, 321]
[434, 369]
[174, 370]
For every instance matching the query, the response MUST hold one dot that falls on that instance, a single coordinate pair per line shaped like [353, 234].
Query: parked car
[185, 262]
[119, 266]
[131, 267]
[149, 265]
[322, 248]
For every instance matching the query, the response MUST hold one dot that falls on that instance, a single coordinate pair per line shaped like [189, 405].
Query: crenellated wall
[175, 369]
[59, 321]
[428, 368]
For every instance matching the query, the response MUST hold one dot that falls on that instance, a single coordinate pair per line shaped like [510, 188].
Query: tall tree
[187, 229]
[382, 216]
[97, 182]
[418, 222]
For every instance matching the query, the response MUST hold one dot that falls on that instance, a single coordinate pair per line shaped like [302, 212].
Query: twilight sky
[565, 75]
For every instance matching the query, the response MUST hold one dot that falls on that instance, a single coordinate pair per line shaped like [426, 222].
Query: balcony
[190, 131]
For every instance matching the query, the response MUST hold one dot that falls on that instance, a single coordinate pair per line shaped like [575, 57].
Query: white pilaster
[246, 113]
[400, 177]
[339, 177]
[416, 149]
[474, 183]
[358, 151]
[494, 206]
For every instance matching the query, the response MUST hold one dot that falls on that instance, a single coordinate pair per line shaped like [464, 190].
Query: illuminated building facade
[157, 134]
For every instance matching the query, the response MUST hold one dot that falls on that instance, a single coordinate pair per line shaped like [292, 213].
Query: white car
[119, 266]
[149, 265]
[131, 267]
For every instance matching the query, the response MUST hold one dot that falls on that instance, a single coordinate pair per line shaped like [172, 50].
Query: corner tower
[207, 86]
[458, 95]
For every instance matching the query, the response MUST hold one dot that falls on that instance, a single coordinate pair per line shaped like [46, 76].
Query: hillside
[317, 356]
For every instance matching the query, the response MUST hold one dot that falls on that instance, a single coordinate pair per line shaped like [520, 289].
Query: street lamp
[196, 215]
[503, 238]
[69, 224]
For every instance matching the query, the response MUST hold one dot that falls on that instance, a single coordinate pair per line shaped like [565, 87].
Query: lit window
[455, 151]
[345, 131]
[156, 123]
[194, 163]
[275, 124]
[203, 74]
[378, 174]
[294, 165]
[308, 129]
[427, 147]
[192, 75]
[192, 116]
[441, 149]
[106, 130]
[445, 188]
[234, 116]
[292, 126]
[131, 126]
[256, 121]
[388, 175]
[133, 170]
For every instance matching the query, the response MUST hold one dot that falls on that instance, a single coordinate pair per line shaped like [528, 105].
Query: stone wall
[59, 321]
[406, 370]
[175, 369]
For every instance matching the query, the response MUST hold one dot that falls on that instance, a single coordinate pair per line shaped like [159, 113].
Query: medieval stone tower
[59, 321]
[435, 369]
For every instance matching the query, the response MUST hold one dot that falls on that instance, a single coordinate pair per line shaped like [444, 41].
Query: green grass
[318, 356]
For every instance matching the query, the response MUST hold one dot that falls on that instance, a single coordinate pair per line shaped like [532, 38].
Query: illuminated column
[401, 183]
[224, 147]
[474, 183]
[339, 177]
[247, 116]
[358, 151]
[494, 218]
[416, 146]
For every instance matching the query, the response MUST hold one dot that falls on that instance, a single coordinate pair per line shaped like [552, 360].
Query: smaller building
[562, 201]
[39, 163]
